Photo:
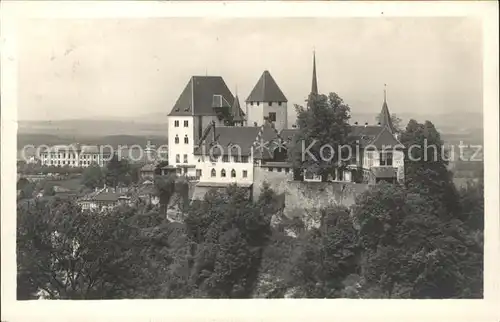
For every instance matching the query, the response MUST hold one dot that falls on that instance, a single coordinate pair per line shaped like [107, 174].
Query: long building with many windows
[73, 155]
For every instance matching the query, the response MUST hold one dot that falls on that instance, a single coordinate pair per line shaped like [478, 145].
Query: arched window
[223, 173]
[213, 173]
[186, 139]
[233, 174]
[176, 139]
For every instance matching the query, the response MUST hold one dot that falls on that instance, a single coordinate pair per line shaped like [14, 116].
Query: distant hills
[76, 127]
[154, 127]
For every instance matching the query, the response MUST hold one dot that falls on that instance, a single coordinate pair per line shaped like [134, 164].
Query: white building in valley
[73, 155]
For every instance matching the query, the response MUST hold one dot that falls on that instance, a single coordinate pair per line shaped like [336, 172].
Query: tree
[117, 171]
[410, 251]
[48, 189]
[326, 257]
[323, 129]
[226, 233]
[68, 254]
[92, 177]
[426, 166]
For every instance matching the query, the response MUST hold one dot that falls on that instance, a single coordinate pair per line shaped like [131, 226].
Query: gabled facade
[205, 99]
[267, 101]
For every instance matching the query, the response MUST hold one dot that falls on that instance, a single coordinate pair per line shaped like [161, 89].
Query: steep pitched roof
[226, 137]
[374, 135]
[231, 138]
[385, 117]
[238, 115]
[197, 98]
[266, 90]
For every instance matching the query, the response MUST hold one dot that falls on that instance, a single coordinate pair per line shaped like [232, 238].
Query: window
[270, 103]
[186, 139]
[185, 158]
[272, 117]
[186, 123]
[225, 158]
[279, 103]
[176, 139]
[217, 101]
[213, 159]
[244, 159]
[386, 158]
[177, 158]
[251, 103]
[233, 174]
[270, 169]
[198, 173]
[245, 173]
[213, 173]
[176, 123]
[278, 169]
[258, 103]
[223, 173]
[287, 170]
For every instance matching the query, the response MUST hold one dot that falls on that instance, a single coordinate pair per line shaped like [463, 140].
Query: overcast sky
[127, 67]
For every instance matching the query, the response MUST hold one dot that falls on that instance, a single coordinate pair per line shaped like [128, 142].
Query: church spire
[314, 87]
[385, 116]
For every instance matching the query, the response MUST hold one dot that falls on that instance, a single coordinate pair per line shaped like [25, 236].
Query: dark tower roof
[266, 90]
[236, 111]
[197, 98]
[314, 87]
[385, 116]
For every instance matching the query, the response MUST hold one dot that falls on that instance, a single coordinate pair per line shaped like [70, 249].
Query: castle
[215, 139]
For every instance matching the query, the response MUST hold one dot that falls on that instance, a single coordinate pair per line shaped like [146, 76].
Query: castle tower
[267, 102]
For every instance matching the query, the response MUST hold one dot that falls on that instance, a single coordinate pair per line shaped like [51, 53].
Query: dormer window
[217, 101]
[251, 103]
[270, 103]
[279, 103]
